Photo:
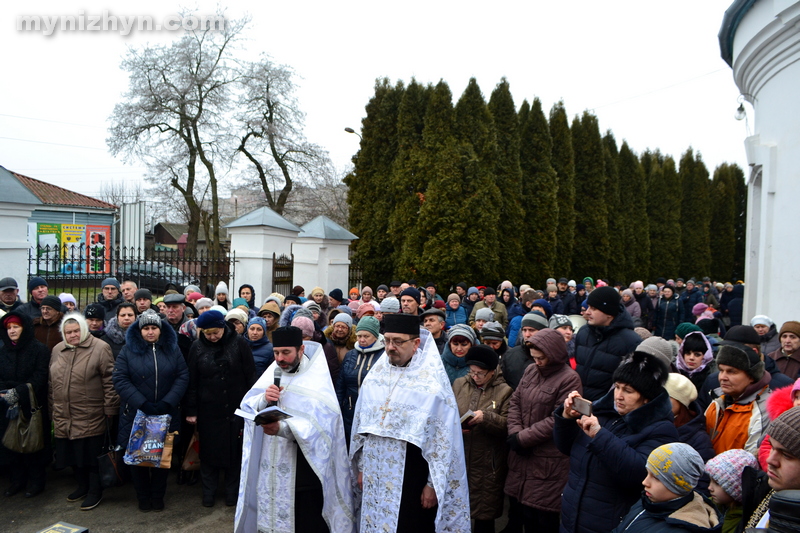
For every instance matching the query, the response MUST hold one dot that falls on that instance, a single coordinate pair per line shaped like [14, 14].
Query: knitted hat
[235, 314]
[684, 328]
[544, 304]
[363, 309]
[218, 308]
[222, 288]
[488, 291]
[354, 305]
[795, 389]
[742, 357]
[482, 356]
[643, 333]
[558, 321]
[189, 289]
[313, 306]
[305, 324]
[472, 290]
[644, 372]
[605, 299]
[95, 311]
[36, 281]
[762, 320]
[257, 320]
[366, 290]
[343, 317]
[390, 305]
[658, 347]
[110, 281]
[297, 290]
[210, 319]
[786, 430]
[143, 293]
[726, 470]
[453, 296]
[277, 296]
[551, 288]
[369, 324]
[534, 320]
[791, 326]
[382, 287]
[149, 318]
[336, 294]
[571, 283]
[743, 335]
[65, 297]
[411, 291]
[462, 330]
[303, 311]
[677, 465]
[52, 301]
[681, 388]
[709, 326]
[484, 314]
[270, 307]
[493, 331]
[203, 303]
[240, 301]
[699, 309]
[354, 290]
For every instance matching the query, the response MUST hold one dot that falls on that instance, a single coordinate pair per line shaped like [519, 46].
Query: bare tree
[121, 192]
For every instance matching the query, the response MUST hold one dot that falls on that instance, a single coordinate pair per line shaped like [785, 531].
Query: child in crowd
[725, 471]
[668, 501]
[695, 358]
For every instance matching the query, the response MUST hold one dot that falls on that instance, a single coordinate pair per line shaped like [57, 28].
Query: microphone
[277, 382]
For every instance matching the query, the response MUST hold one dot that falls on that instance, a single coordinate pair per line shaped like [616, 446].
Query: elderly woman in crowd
[221, 371]
[23, 360]
[355, 367]
[151, 376]
[259, 344]
[608, 450]
[484, 392]
[460, 338]
[82, 399]
[537, 471]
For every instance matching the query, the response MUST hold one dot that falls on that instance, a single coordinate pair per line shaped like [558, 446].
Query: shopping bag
[147, 441]
[191, 461]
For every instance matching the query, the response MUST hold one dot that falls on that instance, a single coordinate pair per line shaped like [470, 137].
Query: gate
[282, 273]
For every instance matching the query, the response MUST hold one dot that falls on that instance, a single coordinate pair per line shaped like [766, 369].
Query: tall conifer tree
[723, 222]
[740, 225]
[590, 257]
[372, 166]
[695, 216]
[633, 194]
[618, 256]
[407, 184]
[508, 177]
[563, 161]
[664, 194]
[539, 194]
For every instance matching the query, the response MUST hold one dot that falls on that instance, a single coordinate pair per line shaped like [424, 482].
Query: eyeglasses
[479, 374]
[395, 342]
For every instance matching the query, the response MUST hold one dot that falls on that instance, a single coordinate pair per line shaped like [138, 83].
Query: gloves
[148, 408]
[513, 442]
[162, 408]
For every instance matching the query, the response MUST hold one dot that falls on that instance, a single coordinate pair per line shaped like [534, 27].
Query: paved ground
[118, 512]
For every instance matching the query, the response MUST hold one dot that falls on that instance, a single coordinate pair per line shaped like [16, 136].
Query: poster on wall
[98, 239]
[48, 240]
[73, 238]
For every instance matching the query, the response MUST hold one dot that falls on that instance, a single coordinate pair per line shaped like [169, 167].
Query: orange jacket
[741, 424]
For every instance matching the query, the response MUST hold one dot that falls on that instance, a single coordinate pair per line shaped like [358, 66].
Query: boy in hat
[725, 471]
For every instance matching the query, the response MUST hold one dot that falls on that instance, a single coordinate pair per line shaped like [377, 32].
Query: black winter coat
[26, 362]
[668, 314]
[147, 372]
[606, 472]
[220, 374]
[355, 366]
[110, 305]
[734, 307]
[263, 355]
[114, 337]
[694, 434]
[688, 300]
[599, 350]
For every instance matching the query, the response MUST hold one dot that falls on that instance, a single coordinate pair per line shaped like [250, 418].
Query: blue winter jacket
[262, 354]
[606, 472]
[459, 316]
[147, 372]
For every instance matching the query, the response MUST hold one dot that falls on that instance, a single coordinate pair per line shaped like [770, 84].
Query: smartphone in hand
[582, 405]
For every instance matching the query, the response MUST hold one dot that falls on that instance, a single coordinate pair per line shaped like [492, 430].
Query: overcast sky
[651, 71]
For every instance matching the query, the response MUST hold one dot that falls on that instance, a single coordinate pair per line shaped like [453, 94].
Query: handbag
[110, 462]
[191, 461]
[24, 435]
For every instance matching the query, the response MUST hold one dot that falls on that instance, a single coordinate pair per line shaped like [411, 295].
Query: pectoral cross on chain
[385, 408]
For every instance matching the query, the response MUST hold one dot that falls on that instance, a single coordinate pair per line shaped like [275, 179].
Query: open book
[466, 418]
[265, 416]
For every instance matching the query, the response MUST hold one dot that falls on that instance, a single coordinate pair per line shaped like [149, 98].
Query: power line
[54, 144]
[51, 121]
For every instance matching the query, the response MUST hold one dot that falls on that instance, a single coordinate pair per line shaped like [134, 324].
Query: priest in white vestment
[295, 473]
[407, 448]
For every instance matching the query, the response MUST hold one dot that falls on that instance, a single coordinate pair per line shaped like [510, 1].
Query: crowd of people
[574, 408]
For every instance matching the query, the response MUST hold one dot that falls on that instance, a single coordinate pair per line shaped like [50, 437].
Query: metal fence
[80, 269]
[282, 273]
[356, 274]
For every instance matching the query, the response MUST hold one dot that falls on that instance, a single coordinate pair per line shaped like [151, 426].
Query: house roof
[263, 216]
[324, 228]
[730, 23]
[23, 189]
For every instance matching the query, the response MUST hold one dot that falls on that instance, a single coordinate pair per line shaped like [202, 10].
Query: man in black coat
[570, 304]
[9, 295]
[603, 342]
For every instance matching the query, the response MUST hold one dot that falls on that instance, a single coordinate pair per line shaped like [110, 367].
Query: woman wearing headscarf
[221, 371]
[248, 293]
[150, 376]
[82, 401]
[608, 450]
[484, 392]
[256, 337]
[23, 360]
[537, 471]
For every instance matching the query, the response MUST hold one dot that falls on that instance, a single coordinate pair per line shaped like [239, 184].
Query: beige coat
[81, 393]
